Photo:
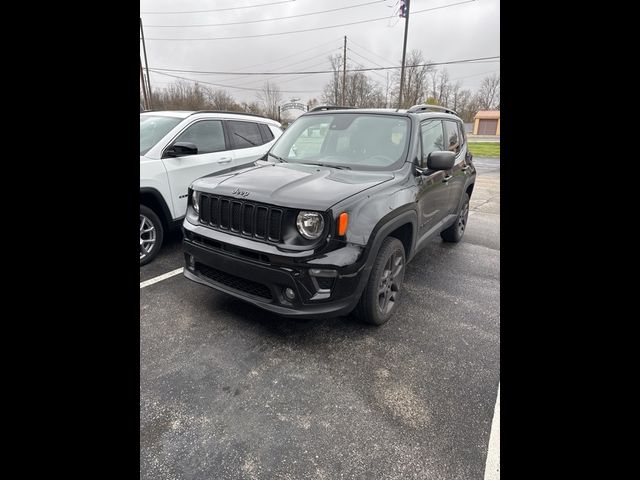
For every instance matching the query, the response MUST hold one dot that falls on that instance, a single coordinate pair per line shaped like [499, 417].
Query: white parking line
[492, 467]
[159, 278]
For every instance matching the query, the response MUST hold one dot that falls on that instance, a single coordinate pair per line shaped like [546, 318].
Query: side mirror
[441, 160]
[181, 149]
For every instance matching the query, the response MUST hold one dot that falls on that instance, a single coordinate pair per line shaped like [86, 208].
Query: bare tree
[332, 93]
[488, 96]
[454, 95]
[312, 103]
[466, 106]
[180, 95]
[361, 92]
[221, 100]
[440, 87]
[270, 97]
[415, 80]
[251, 107]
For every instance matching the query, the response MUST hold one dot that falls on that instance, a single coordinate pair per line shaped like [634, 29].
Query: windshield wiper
[275, 156]
[340, 167]
[245, 139]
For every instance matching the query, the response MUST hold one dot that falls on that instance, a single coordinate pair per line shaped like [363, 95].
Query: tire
[455, 232]
[381, 296]
[151, 234]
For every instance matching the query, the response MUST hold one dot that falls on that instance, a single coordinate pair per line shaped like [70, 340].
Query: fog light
[289, 293]
[192, 262]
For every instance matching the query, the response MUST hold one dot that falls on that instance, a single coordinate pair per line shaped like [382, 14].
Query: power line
[474, 75]
[268, 63]
[274, 71]
[265, 63]
[308, 29]
[359, 64]
[283, 75]
[267, 19]
[228, 86]
[288, 56]
[468, 60]
[365, 58]
[219, 9]
[369, 51]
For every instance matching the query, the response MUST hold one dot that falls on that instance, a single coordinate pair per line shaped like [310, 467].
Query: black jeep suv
[325, 223]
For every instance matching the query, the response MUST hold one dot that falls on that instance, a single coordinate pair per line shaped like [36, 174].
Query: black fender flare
[165, 214]
[470, 181]
[388, 224]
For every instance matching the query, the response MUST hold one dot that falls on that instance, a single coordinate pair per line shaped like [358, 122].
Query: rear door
[455, 142]
[213, 156]
[249, 140]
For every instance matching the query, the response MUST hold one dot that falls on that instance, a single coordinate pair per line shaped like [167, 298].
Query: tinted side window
[207, 135]
[267, 134]
[432, 138]
[244, 134]
[463, 137]
[452, 136]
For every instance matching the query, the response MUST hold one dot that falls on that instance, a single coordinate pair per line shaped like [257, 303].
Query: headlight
[310, 224]
[195, 197]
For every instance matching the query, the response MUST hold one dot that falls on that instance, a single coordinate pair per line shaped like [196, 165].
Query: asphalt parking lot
[229, 391]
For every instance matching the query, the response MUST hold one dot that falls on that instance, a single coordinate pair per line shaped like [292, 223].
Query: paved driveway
[231, 392]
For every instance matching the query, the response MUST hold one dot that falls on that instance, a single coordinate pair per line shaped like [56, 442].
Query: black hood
[292, 184]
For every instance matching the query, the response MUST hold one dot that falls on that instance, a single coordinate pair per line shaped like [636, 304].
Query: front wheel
[380, 298]
[151, 234]
[455, 232]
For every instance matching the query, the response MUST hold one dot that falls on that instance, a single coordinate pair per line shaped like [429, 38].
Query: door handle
[447, 178]
[225, 160]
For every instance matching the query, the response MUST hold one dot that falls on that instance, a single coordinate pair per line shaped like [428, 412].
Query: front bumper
[320, 290]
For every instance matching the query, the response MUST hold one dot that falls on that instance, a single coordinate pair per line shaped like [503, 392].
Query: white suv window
[244, 134]
[207, 135]
[153, 128]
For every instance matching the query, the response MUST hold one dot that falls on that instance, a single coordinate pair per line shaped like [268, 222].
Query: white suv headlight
[195, 198]
[310, 225]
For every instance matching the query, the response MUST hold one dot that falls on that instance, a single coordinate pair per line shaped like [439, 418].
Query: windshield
[353, 140]
[153, 128]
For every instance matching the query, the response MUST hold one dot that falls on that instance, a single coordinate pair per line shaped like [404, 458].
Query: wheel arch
[401, 225]
[152, 198]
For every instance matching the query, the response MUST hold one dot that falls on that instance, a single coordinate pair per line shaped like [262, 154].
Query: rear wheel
[151, 234]
[380, 298]
[455, 232]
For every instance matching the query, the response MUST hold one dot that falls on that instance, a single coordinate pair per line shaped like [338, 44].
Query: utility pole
[386, 96]
[144, 49]
[404, 13]
[144, 88]
[344, 70]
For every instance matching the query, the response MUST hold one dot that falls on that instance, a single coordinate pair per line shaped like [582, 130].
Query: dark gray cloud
[464, 31]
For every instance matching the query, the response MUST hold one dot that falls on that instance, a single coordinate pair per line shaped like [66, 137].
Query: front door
[433, 188]
[213, 156]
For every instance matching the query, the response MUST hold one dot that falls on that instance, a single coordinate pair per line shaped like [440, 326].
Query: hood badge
[240, 193]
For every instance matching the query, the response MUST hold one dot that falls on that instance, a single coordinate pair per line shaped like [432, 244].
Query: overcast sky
[469, 30]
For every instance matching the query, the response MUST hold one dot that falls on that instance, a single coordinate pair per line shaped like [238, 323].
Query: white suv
[177, 148]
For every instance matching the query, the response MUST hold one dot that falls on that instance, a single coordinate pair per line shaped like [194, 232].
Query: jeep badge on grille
[240, 193]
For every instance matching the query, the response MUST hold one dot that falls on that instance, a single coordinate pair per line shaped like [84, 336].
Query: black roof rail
[234, 113]
[329, 107]
[423, 107]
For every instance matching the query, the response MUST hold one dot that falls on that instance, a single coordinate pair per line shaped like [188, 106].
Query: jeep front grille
[241, 217]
